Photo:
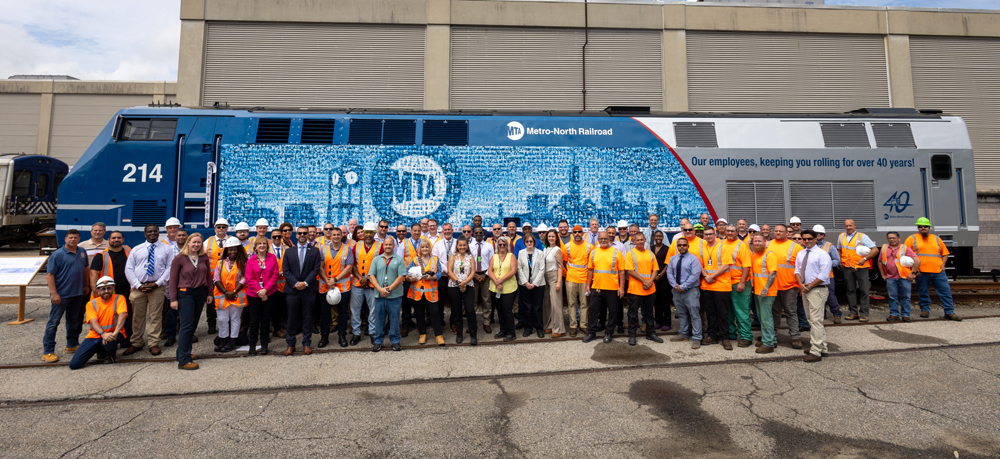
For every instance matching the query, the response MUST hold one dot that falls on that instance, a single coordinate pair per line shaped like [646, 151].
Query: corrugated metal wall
[785, 72]
[962, 77]
[314, 65]
[19, 123]
[542, 69]
[78, 118]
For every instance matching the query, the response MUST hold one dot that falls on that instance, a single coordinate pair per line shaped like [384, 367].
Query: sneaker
[764, 350]
[50, 358]
[954, 317]
[695, 344]
[680, 338]
[590, 337]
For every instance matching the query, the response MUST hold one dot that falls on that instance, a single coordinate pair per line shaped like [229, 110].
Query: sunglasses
[368, 232]
[327, 229]
[466, 231]
[577, 232]
[275, 237]
[224, 227]
[286, 231]
[383, 226]
[687, 230]
[681, 245]
[302, 233]
[808, 238]
[923, 227]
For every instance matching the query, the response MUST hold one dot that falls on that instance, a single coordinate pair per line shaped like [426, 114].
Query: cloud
[91, 39]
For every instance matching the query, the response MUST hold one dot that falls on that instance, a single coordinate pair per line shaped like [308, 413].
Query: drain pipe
[583, 51]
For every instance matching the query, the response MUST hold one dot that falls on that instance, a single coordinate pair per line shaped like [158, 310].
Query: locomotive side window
[148, 129]
[42, 186]
[55, 189]
[941, 167]
[22, 184]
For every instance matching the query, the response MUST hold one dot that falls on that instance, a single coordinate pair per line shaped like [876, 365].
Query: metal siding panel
[812, 202]
[314, 65]
[19, 115]
[960, 76]
[785, 72]
[770, 202]
[78, 118]
[855, 201]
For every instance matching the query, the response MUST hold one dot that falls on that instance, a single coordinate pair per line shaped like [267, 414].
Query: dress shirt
[93, 249]
[592, 238]
[442, 250]
[819, 265]
[487, 254]
[648, 232]
[399, 248]
[135, 267]
[690, 271]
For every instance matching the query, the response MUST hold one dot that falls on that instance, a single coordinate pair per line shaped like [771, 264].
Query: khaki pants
[577, 300]
[814, 302]
[483, 290]
[147, 305]
[554, 304]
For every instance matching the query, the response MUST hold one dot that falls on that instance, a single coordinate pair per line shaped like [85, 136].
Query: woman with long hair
[554, 284]
[503, 267]
[230, 298]
[661, 305]
[262, 283]
[424, 292]
[531, 272]
[463, 297]
[190, 276]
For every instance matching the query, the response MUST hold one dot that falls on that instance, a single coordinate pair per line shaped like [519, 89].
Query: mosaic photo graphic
[310, 184]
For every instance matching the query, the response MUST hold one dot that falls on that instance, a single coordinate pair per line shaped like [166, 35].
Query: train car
[30, 185]
[882, 168]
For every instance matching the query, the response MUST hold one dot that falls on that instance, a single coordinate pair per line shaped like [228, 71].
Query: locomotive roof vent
[446, 132]
[317, 131]
[845, 135]
[273, 130]
[893, 135]
[695, 135]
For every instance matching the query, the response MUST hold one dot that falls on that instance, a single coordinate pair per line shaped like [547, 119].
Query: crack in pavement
[104, 393]
[947, 354]
[133, 418]
[505, 403]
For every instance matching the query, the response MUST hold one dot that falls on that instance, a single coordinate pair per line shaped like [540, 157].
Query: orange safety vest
[931, 252]
[786, 268]
[215, 250]
[711, 261]
[426, 289]
[605, 272]
[762, 267]
[576, 265]
[647, 263]
[109, 270]
[230, 277]
[695, 247]
[248, 245]
[826, 248]
[106, 314]
[409, 251]
[281, 259]
[848, 251]
[334, 263]
[364, 258]
[903, 271]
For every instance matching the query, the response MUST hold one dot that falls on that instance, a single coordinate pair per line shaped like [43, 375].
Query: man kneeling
[106, 317]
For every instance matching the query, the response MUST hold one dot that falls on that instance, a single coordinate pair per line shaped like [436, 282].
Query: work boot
[590, 337]
[342, 339]
[323, 341]
[652, 337]
[631, 339]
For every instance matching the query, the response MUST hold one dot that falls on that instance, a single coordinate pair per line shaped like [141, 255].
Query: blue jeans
[831, 299]
[386, 309]
[87, 350]
[357, 295]
[688, 305]
[899, 297]
[940, 281]
[189, 305]
[72, 307]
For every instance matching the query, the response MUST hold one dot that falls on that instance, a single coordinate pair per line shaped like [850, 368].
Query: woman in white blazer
[531, 274]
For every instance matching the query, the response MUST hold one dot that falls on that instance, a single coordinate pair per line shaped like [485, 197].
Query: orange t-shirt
[644, 264]
[606, 262]
[760, 272]
[787, 252]
[712, 258]
[105, 313]
[576, 257]
[740, 252]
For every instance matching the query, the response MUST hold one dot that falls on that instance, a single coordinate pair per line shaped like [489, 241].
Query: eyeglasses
[918, 226]
[578, 232]
[687, 230]
[383, 226]
[301, 233]
[275, 237]
[466, 231]
[286, 230]
[808, 238]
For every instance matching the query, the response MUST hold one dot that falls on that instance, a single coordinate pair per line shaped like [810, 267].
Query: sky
[139, 39]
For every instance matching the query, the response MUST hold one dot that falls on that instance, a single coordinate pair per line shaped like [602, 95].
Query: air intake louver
[383, 132]
[148, 213]
[446, 132]
[317, 131]
[273, 130]
[893, 135]
[845, 135]
[365, 132]
[695, 135]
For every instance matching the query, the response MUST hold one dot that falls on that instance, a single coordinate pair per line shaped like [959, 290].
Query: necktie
[680, 262]
[479, 258]
[448, 250]
[151, 262]
[805, 262]
[302, 257]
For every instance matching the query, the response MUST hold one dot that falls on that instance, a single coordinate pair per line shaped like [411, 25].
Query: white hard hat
[722, 220]
[232, 242]
[333, 295]
[863, 251]
[107, 280]
[906, 261]
[242, 226]
[622, 224]
[222, 221]
[819, 229]
[369, 226]
[543, 228]
[794, 220]
[261, 222]
[754, 227]
[527, 225]
[414, 272]
[173, 221]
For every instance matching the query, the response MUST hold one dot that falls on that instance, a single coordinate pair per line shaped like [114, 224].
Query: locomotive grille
[695, 135]
[845, 135]
[446, 132]
[893, 135]
[273, 130]
[148, 213]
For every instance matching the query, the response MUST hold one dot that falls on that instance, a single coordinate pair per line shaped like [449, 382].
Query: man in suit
[300, 268]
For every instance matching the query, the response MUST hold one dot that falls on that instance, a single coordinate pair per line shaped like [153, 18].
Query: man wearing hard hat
[898, 263]
[106, 317]
[933, 255]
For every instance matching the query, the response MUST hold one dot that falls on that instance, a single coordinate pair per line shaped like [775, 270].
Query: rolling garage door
[542, 69]
[314, 65]
[19, 123]
[78, 118]
[785, 72]
[962, 77]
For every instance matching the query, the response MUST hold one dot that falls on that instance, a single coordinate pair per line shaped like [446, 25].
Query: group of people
[290, 281]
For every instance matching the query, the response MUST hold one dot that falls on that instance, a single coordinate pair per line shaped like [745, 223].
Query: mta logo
[515, 130]
[899, 201]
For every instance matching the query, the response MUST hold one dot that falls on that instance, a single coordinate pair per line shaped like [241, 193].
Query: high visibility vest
[215, 250]
[763, 265]
[932, 252]
[695, 247]
[107, 269]
[713, 258]
[248, 246]
[826, 248]
[432, 240]
[364, 258]
[334, 264]
[409, 251]
[106, 314]
[230, 277]
[576, 256]
[279, 253]
[425, 289]
[786, 251]
[903, 271]
[848, 251]
[646, 267]
[741, 257]
[605, 264]
[511, 241]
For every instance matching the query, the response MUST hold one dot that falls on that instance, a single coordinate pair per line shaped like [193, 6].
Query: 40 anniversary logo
[898, 202]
